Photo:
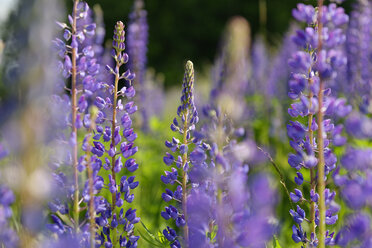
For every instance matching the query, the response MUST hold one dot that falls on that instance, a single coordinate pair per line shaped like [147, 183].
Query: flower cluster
[8, 237]
[236, 204]
[358, 49]
[354, 176]
[188, 117]
[111, 146]
[318, 61]
[230, 77]
[98, 107]
[137, 49]
[80, 65]
[230, 206]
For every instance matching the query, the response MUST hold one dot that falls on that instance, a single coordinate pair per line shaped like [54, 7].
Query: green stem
[74, 129]
[220, 143]
[184, 180]
[321, 182]
[92, 223]
[281, 176]
[312, 170]
[114, 104]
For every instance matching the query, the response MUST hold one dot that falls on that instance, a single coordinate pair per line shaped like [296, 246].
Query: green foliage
[212, 234]
[276, 243]
[148, 197]
[151, 239]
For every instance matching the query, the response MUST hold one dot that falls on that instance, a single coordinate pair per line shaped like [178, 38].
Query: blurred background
[191, 29]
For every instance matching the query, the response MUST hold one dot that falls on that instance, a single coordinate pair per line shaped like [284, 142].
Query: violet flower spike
[79, 65]
[188, 118]
[119, 137]
[137, 49]
[311, 67]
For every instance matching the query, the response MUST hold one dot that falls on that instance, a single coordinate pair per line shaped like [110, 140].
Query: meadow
[268, 146]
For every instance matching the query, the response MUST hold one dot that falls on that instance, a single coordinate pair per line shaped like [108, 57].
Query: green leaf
[149, 241]
[162, 239]
[151, 238]
[276, 243]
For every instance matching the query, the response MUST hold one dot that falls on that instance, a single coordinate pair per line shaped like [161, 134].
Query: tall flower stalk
[91, 178]
[355, 176]
[188, 118]
[137, 49]
[321, 162]
[318, 62]
[356, 81]
[81, 67]
[8, 236]
[117, 227]
[188, 113]
[74, 52]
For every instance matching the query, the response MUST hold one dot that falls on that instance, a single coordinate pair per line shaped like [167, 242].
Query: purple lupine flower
[79, 51]
[357, 230]
[358, 74]
[200, 207]
[230, 77]
[299, 179]
[280, 73]
[137, 49]
[298, 216]
[355, 183]
[188, 117]
[64, 241]
[38, 123]
[355, 188]
[357, 125]
[114, 146]
[298, 234]
[8, 236]
[310, 68]
[3, 152]
[261, 65]
[296, 196]
[219, 181]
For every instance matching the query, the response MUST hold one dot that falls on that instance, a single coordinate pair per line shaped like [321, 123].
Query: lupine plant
[75, 167]
[316, 62]
[137, 49]
[184, 125]
[79, 65]
[7, 237]
[117, 226]
[354, 176]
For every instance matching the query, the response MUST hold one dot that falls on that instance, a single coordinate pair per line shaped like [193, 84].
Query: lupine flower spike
[312, 67]
[110, 216]
[137, 49]
[188, 117]
[79, 65]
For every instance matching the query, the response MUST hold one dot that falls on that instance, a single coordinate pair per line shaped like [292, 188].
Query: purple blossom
[296, 196]
[357, 228]
[188, 118]
[121, 149]
[137, 49]
[8, 236]
[312, 66]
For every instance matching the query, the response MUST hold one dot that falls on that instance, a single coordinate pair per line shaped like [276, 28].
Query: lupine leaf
[276, 243]
[152, 239]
